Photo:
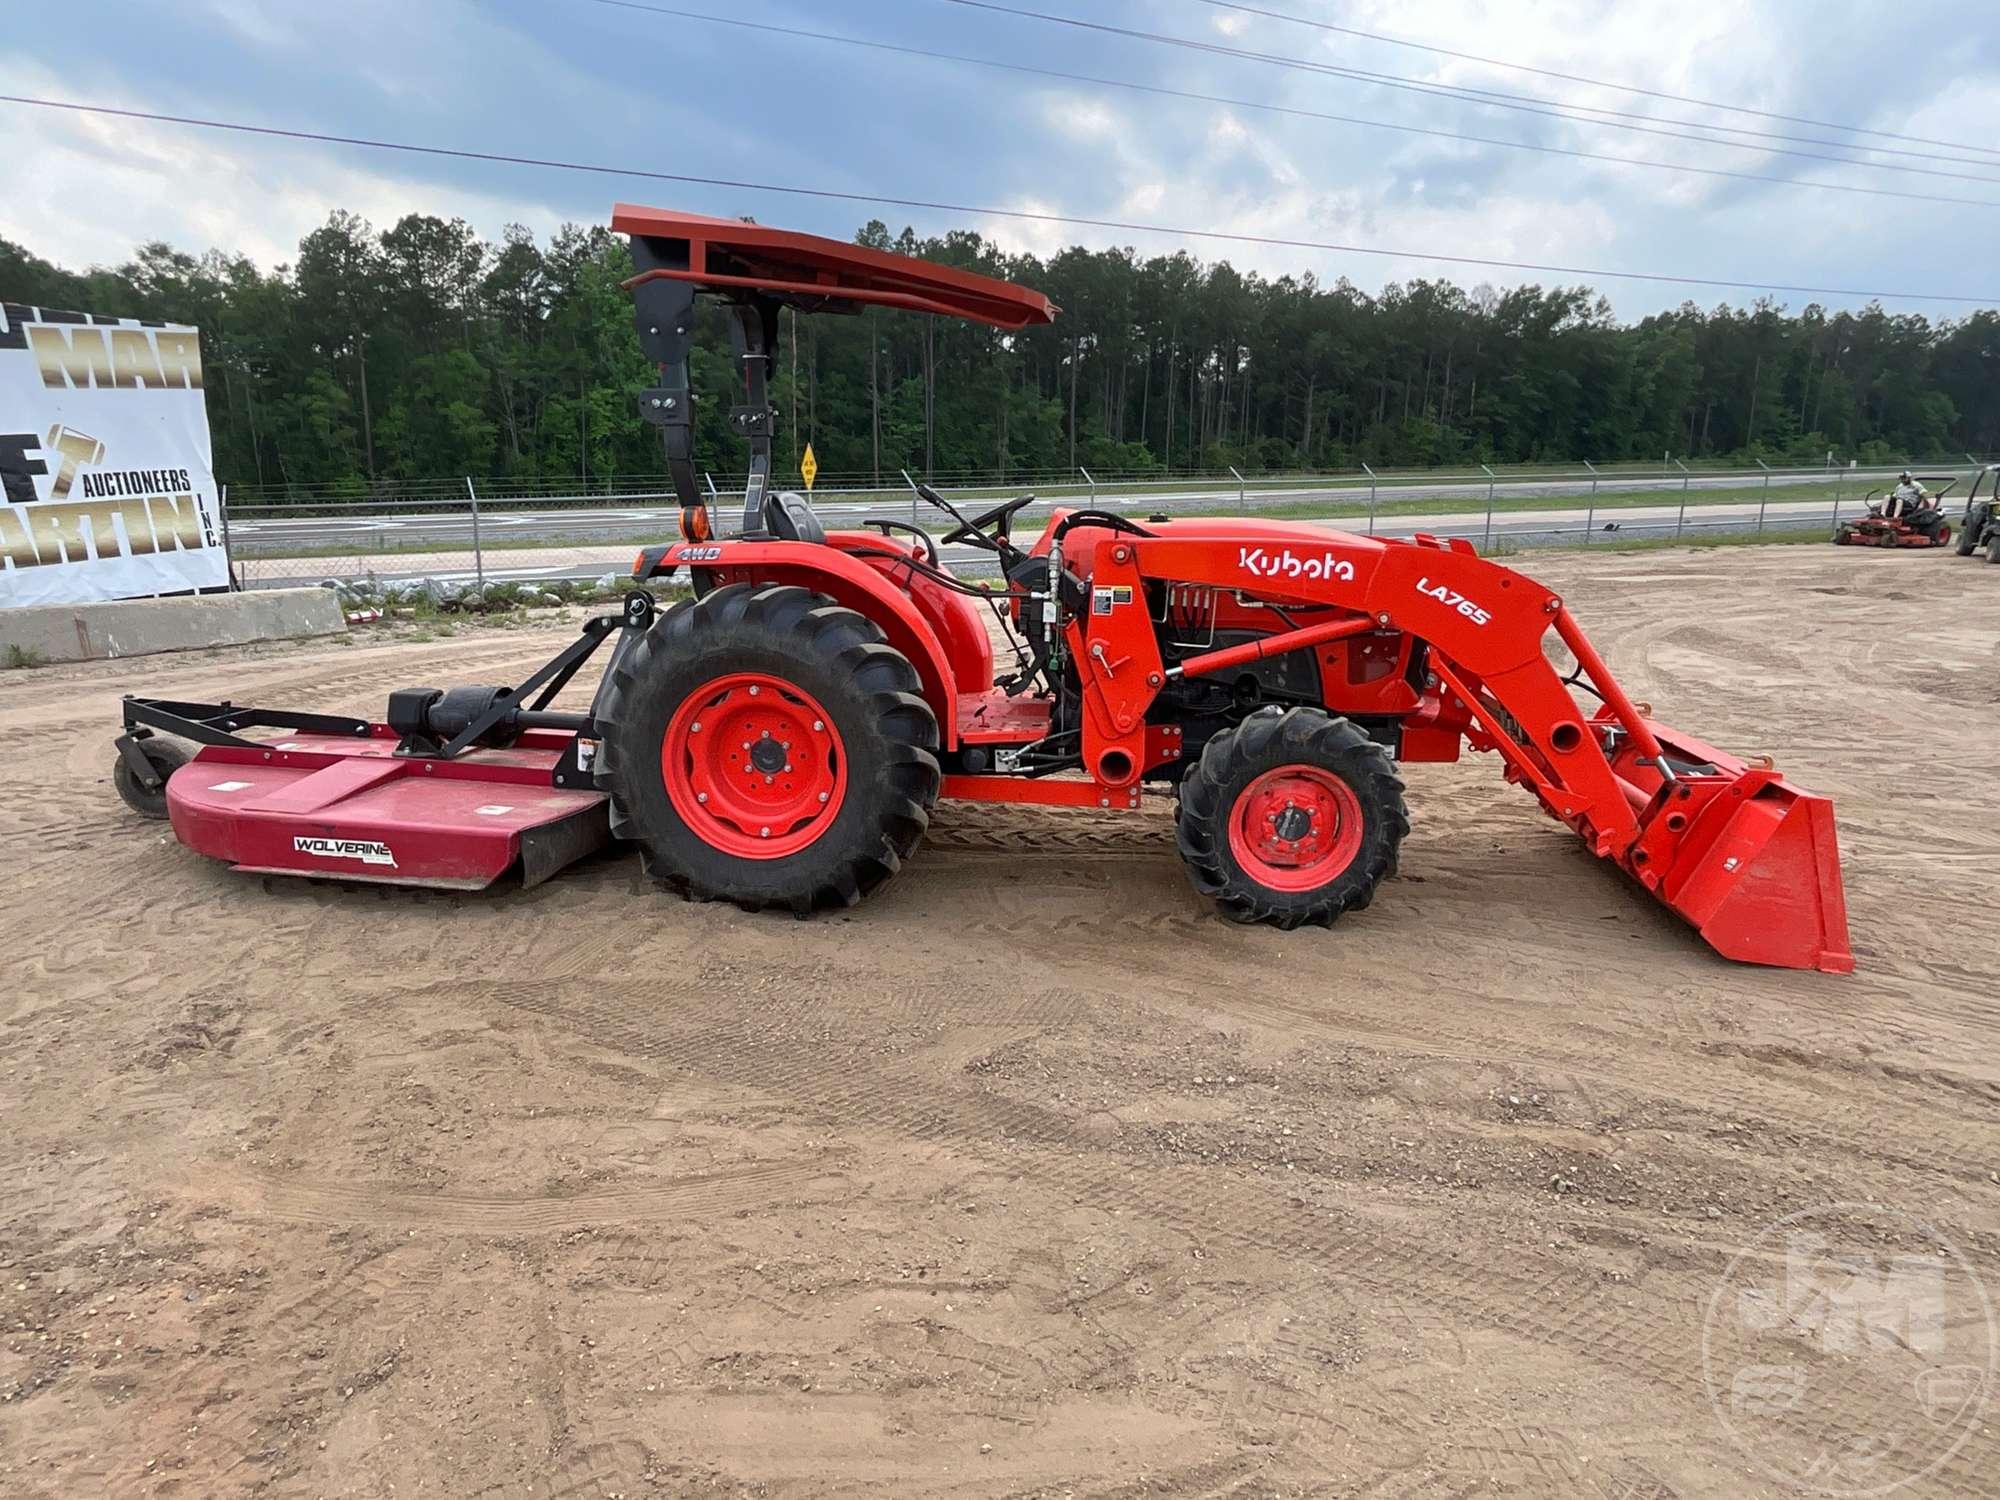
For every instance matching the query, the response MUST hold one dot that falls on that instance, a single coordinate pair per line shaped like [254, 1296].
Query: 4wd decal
[1455, 600]
[1288, 564]
[698, 554]
[368, 851]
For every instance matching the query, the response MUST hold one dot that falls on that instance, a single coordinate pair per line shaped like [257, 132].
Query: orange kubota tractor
[780, 738]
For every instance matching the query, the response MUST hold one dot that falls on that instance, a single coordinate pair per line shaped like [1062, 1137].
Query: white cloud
[1083, 117]
[73, 176]
[508, 77]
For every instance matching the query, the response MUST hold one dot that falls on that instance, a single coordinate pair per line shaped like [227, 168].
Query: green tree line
[426, 352]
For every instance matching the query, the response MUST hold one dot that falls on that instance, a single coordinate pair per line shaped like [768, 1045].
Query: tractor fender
[846, 580]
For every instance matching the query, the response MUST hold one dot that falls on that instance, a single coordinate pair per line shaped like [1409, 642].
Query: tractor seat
[790, 518]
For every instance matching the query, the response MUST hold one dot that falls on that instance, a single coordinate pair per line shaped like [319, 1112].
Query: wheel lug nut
[822, 796]
[701, 796]
[765, 735]
[753, 693]
[818, 726]
[767, 781]
[695, 727]
[762, 833]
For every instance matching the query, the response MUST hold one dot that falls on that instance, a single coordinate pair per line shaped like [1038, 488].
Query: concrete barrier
[137, 627]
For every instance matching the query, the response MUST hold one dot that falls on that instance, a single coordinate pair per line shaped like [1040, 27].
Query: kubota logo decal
[1288, 564]
[1455, 599]
[368, 851]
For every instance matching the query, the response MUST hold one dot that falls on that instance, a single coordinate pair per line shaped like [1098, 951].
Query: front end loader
[779, 738]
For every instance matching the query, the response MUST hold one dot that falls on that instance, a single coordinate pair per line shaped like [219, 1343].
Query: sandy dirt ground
[1031, 1176]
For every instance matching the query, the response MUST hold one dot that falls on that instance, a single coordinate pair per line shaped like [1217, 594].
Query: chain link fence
[476, 532]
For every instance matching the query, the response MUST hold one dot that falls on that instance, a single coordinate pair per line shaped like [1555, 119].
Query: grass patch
[1786, 538]
[1605, 503]
[22, 659]
[252, 552]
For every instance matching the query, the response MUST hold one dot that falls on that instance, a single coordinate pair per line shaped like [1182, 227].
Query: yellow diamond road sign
[809, 467]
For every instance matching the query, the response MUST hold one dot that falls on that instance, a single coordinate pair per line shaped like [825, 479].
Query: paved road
[513, 521]
[1523, 528]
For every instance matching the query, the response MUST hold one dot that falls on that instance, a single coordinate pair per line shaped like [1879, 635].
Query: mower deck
[344, 808]
[1877, 532]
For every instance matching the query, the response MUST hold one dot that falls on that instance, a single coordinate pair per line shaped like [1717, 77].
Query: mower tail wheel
[764, 745]
[1292, 816]
[165, 758]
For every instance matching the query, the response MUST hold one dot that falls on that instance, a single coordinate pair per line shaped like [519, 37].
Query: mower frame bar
[524, 707]
[217, 723]
[212, 724]
[547, 680]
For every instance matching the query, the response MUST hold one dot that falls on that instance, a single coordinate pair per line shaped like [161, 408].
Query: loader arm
[1733, 848]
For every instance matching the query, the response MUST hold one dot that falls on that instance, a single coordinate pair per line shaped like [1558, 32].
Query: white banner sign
[104, 456]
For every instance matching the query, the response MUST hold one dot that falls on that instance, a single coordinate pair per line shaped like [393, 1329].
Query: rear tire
[1993, 549]
[165, 758]
[1293, 816]
[763, 745]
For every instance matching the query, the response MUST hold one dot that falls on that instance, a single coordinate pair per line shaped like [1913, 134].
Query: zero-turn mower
[779, 738]
[1923, 526]
[1979, 528]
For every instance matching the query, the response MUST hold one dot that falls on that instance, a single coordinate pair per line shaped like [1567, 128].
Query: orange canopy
[728, 254]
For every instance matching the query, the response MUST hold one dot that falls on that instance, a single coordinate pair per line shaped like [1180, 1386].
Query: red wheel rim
[754, 766]
[1295, 828]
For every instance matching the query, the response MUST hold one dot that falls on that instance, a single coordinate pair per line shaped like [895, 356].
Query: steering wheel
[999, 515]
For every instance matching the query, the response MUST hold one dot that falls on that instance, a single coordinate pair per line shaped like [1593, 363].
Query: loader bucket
[1744, 856]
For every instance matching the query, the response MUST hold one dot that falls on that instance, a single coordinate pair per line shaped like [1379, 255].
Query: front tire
[1293, 816]
[763, 745]
[1968, 537]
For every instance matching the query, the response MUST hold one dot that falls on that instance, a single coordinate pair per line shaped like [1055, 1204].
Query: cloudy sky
[623, 85]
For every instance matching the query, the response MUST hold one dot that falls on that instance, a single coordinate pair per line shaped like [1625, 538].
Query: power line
[1494, 99]
[1298, 112]
[1601, 83]
[1529, 103]
[1487, 98]
[973, 210]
